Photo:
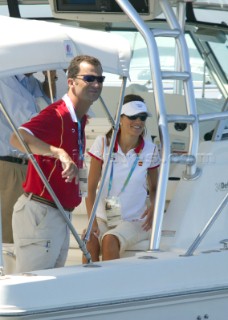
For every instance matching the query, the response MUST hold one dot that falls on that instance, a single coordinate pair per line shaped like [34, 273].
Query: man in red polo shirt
[56, 138]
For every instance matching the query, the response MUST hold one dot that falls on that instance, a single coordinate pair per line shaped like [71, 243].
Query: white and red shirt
[133, 198]
[56, 125]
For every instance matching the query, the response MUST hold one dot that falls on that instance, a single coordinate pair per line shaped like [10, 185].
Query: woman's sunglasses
[142, 117]
[90, 78]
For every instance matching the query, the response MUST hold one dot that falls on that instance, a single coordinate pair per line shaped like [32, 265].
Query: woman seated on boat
[122, 216]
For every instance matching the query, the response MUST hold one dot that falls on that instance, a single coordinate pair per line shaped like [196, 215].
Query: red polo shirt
[54, 125]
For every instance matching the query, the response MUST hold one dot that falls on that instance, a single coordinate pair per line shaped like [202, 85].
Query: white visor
[134, 107]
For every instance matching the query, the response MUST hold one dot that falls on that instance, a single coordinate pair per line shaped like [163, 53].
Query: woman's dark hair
[132, 97]
[127, 98]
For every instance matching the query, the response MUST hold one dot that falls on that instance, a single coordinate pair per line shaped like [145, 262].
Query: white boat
[182, 272]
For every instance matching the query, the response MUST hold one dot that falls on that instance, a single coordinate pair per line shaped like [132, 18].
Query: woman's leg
[93, 246]
[110, 247]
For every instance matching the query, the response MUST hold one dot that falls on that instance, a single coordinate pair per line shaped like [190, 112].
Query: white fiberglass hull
[167, 286]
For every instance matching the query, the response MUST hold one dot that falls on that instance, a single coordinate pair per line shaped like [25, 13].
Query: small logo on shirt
[140, 163]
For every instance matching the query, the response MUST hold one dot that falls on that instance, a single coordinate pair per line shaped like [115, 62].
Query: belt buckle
[24, 161]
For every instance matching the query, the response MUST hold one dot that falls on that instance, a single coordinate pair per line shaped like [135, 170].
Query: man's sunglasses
[90, 78]
[142, 117]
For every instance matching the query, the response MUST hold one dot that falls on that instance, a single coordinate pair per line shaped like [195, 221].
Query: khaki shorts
[127, 232]
[12, 176]
[41, 236]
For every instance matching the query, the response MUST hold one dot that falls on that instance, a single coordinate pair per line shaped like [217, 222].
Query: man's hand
[70, 170]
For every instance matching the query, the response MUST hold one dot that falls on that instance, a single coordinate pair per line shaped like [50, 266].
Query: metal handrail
[115, 129]
[156, 76]
[208, 225]
[192, 118]
[184, 74]
[188, 84]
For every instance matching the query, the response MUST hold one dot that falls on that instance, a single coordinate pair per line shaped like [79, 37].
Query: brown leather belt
[45, 201]
[14, 159]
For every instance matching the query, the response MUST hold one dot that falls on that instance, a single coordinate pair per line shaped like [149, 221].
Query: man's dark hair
[74, 67]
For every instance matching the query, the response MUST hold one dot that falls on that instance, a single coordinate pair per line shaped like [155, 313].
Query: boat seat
[75, 254]
[80, 222]
[142, 246]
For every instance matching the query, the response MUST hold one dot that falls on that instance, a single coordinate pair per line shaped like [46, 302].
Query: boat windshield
[208, 58]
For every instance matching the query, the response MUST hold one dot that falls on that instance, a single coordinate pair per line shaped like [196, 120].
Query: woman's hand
[149, 213]
[94, 231]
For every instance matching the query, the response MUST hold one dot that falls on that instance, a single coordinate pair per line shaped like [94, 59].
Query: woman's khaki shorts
[127, 232]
